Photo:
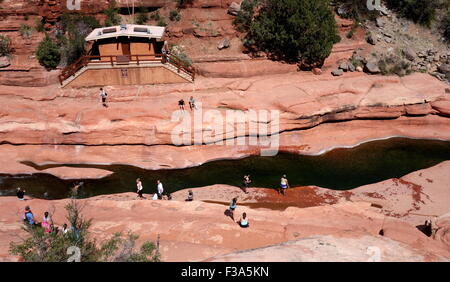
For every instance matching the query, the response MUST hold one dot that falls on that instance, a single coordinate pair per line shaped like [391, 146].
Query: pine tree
[48, 53]
[302, 31]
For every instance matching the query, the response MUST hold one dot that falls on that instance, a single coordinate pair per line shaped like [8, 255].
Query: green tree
[112, 14]
[48, 53]
[245, 15]
[302, 31]
[52, 247]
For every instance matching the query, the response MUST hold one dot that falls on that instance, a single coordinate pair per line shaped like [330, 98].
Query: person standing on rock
[232, 207]
[247, 182]
[103, 95]
[181, 104]
[160, 189]
[47, 222]
[284, 185]
[140, 188]
[192, 103]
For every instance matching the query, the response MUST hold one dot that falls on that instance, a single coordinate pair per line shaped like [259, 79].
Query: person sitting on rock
[20, 194]
[190, 197]
[28, 217]
[243, 222]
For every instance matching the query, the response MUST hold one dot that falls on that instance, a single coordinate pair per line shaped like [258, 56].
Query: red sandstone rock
[443, 107]
[317, 71]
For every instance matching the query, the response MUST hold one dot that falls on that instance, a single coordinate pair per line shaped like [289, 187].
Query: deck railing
[125, 60]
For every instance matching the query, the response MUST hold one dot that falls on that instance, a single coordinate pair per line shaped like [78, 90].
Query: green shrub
[392, 64]
[25, 31]
[5, 45]
[174, 16]
[419, 11]
[39, 25]
[302, 31]
[155, 16]
[53, 247]
[112, 14]
[48, 53]
[445, 25]
[161, 22]
[181, 54]
[141, 18]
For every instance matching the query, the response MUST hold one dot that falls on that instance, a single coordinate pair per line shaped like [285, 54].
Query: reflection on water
[339, 169]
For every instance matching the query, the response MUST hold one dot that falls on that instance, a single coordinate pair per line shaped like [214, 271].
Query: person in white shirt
[160, 189]
[103, 96]
[140, 188]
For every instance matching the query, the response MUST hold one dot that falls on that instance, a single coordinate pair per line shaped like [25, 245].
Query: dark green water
[340, 169]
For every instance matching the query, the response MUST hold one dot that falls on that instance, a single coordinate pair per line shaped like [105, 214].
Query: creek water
[340, 169]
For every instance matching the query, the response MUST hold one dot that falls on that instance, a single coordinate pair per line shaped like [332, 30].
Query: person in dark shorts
[192, 104]
[181, 104]
[103, 95]
[284, 184]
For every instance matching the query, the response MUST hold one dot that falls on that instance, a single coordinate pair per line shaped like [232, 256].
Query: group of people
[47, 222]
[181, 103]
[284, 184]
[192, 104]
[156, 196]
[49, 227]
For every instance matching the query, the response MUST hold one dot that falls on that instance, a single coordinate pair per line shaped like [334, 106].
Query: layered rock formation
[71, 126]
